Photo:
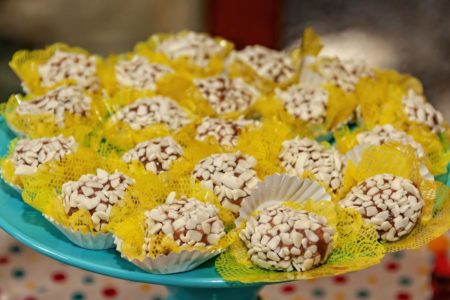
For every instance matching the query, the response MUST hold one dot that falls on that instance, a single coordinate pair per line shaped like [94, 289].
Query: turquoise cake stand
[30, 228]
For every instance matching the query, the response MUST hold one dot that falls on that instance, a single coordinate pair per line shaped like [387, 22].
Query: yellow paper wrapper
[437, 152]
[43, 190]
[355, 247]
[400, 160]
[44, 124]
[172, 85]
[26, 63]
[120, 133]
[236, 68]
[127, 223]
[186, 64]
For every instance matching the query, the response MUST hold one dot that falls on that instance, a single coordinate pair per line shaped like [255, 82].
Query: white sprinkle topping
[187, 221]
[140, 73]
[156, 110]
[156, 155]
[73, 66]
[280, 238]
[392, 203]
[68, 99]
[95, 193]
[230, 176]
[273, 65]
[226, 94]
[30, 154]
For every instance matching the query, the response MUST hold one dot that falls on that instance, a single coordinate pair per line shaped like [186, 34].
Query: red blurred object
[441, 277]
[246, 22]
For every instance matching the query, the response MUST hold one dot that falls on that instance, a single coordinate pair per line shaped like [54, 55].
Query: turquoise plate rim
[29, 227]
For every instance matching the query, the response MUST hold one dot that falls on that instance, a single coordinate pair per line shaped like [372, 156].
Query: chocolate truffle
[418, 110]
[230, 175]
[150, 111]
[226, 132]
[96, 194]
[272, 65]
[66, 99]
[70, 66]
[385, 133]
[198, 47]
[392, 203]
[156, 155]
[226, 95]
[140, 73]
[188, 221]
[304, 102]
[283, 239]
[300, 155]
[30, 154]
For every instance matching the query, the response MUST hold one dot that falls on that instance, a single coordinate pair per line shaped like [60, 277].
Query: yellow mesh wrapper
[340, 107]
[380, 98]
[184, 64]
[400, 160]
[355, 247]
[8, 168]
[239, 69]
[270, 108]
[264, 144]
[195, 102]
[25, 64]
[437, 154]
[172, 85]
[128, 219]
[44, 125]
[120, 133]
[310, 44]
[43, 190]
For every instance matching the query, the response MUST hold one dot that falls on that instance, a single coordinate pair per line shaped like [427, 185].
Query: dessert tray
[30, 228]
[215, 171]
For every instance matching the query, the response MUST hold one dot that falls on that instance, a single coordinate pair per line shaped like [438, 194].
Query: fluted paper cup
[279, 188]
[88, 240]
[171, 263]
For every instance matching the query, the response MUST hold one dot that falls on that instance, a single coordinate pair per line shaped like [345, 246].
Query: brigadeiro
[300, 155]
[145, 112]
[192, 224]
[139, 73]
[305, 102]
[225, 132]
[156, 155]
[227, 95]
[30, 154]
[188, 221]
[230, 175]
[392, 203]
[281, 238]
[96, 194]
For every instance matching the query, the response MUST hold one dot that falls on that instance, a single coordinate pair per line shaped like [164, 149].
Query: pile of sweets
[182, 132]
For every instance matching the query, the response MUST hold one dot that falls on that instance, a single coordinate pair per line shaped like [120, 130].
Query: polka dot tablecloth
[28, 275]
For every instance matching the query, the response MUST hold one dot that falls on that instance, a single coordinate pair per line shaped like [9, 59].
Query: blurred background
[412, 36]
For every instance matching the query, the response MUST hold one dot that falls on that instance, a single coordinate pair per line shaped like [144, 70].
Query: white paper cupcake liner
[355, 155]
[172, 263]
[280, 188]
[97, 241]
